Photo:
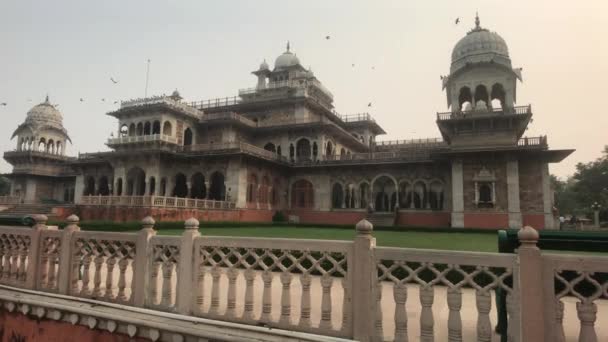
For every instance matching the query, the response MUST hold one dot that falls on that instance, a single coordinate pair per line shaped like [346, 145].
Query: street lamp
[596, 213]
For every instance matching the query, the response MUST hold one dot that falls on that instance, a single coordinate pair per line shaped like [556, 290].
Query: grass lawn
[473, 241]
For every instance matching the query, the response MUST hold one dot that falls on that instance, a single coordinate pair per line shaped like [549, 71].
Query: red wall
[328, 217]
[123, 214]
[486, 220]
[18, 327]
[536, 221]
[422, 219]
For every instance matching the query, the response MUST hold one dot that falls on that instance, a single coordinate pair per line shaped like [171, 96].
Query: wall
[124, 214]
[328, 217]
[424, 219]
[16, 327]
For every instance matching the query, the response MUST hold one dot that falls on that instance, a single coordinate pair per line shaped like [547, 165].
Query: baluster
[454, 319]
[216, 273]
[167, 294]
[231, 306]
[200, 288]
[86, 264]
[400, 296]
[378, 324]
[286, 298]
[44, 268]
[98, 261]
[586, 312]
[122, 281]
[559, 318]
[154, 281]
[22, 269]
[326, 282]
[52, 275]
[74, 274]
[513, 321]
[249, 278]
[305, 281]
[6, 269]
[484, 327]
[427, 296]
[2, 255]
[110, 263]
[345, 304]
[266, 296]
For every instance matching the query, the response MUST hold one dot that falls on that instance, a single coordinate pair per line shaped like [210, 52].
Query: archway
[50, 147]
[89, 190]
[217, 189]
[59, 148]
[384, 193]
[481, 97]
[132, 130]
[136, 182]
[363, 195]
[337, 196]
[42, 145]
[123, 131]
[167, 130]
[118, 191]
[147, 128]
[302, 195]
[465, 98]
[405, 195]
[152, 186]
[420, 199]
[188, 137]
[156, 127]
[163, 186]
[263, 191]
[181, 188]
[104, 188]
[436, 195]
[498, 96]
[198, 190]
[329, 149]
[140, 129]
[303, 151]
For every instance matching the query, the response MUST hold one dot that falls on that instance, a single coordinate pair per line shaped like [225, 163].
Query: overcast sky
[207, 49]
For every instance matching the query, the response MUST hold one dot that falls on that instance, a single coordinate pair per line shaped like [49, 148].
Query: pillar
[457, 195]
[513, 205]
[78, 188]
[547, 198]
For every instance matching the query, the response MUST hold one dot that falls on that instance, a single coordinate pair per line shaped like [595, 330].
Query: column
[78, 188]
[547, 198]
[514, 208]
[457, 195]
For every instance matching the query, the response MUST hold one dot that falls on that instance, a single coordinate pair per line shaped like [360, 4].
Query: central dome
[480, 46]
[44, 114]
[287, 59]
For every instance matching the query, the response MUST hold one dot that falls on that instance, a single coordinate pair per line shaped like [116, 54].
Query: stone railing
[142, 138]
[349, 289]
[10, 199]
[518, 110]
[164, 100]
[156, 201]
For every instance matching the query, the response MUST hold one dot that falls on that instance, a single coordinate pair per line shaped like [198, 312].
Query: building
[281, 146]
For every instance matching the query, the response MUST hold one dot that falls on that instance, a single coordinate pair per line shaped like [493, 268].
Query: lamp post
[596, 213]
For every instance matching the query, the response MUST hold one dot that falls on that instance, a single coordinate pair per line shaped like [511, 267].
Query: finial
[288, 46]
[476, 20]
[47, 99]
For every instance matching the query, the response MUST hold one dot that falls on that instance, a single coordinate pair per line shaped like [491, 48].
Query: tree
[5, 186]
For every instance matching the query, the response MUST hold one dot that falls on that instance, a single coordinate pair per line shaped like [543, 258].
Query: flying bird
[353, 65]
[113, 80]
[81, 99]
[103, 100]
[373, 68]
[327, 37]
[457, 21]
[3, 104]
[369, 104]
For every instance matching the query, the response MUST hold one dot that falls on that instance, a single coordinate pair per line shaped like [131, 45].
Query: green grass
[406, 237]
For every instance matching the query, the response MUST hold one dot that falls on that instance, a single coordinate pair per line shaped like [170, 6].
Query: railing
[228, 116]
[36, 154]
[350, 289]
[10, 199]
[168, 101]
[214, 103]
[356, 117]
[411, 142]
[142, 138]
[384, 156]
[519, 110]
[156, 201]
[533, 141]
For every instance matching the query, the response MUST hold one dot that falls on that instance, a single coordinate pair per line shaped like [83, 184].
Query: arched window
[302, 195]
[181, 188]
[465, 99]
[217, 189]
[50, 147]
[329, 149]
[124, 130]
[147, 128]
[420, 197]
[42, 145]
[337, 196]
[349, 196]
[89, 190]
[303, 150]
[118, 191]
[481, 97]
[436, 195]
[498, 96]
[132, 130]
[152, 186]
[136, 182]
[59, 148]
[199, 190]
[156, 127]
[188, 137]
[104, 186]
[342, 152]
[384, 193]
[163, 186]
[140, 129]
[485, 193]
[405, 195]
[167, 128]
[270, 147]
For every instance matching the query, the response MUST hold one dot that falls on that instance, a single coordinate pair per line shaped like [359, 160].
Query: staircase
[21, 210]
[381, 219]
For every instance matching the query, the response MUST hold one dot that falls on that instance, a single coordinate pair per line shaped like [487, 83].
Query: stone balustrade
[339, 289]
[155, 201]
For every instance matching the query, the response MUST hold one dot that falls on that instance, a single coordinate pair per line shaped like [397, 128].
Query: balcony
[519, 110]
[163, 100]
[141, 138]
[216, 103]
[540, 141]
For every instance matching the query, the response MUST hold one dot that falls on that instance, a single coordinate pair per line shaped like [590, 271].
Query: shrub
[278, 217]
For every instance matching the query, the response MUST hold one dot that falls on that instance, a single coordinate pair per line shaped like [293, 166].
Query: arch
[118, 190]
[50, 146]
[364, 194]
[163, 186]
[59, 147]
[349, 196]
[405, 194]
[152, 186]
[42, 145]
[481, 97]
[217, 189]
[187, 137]
[419, 195]
[270, 147]
[132, 130]
[123, 131]
[337, 196]
[167, 129]
[329, 149]
[302, 195]
[315, 150]
[181, 186]
[303, 150]
[465, 97]
[156, 127]
[136, 182]
[147, 128]
[252, 188]
[497, 96]
[198, 189]
[384, 192]
[89, 189]
[342, 152]
[104, 186]
[436, 195]
[140, 129]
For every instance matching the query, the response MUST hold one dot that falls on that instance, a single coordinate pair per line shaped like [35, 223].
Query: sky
[207, 49]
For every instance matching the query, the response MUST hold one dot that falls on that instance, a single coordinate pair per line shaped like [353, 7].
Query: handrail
[156, 201]
[142, 138]
[162, 99]
[518, 110]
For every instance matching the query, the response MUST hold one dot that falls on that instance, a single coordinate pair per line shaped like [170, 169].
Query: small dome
[264, 65]
[44, 114]
[287, 59]
[480, 46]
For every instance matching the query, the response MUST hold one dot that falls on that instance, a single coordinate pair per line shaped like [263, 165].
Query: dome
[287, 59]
[480, 46]
[264, 65]
[44, 114]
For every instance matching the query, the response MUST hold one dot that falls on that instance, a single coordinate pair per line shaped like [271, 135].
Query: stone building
[282, 146]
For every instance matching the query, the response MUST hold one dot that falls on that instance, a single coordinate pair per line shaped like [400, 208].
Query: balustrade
[348, 289]
[156, 201]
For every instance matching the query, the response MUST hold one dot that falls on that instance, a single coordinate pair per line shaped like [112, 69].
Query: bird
[369, 104]
[115, 102]
[3, 104]
[353, 65]
[81, 99]
[327, 37]
[373, 68]
[113, 80]
[103, 100]
[457, 21]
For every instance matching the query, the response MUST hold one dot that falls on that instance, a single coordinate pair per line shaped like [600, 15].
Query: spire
[47, 99]
[288, 46]
[477, 21]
